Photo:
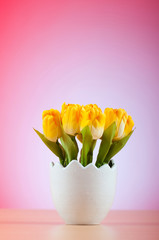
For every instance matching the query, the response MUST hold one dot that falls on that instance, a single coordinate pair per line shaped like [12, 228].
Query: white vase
[82, 195]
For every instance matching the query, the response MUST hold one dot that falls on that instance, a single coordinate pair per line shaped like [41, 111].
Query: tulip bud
[51, 124]
[124, 123]
[70, 115]
[92, 116]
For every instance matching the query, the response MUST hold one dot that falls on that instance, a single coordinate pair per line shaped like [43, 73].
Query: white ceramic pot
[82, 195]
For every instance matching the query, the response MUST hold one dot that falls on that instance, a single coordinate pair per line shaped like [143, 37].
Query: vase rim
[78, 164]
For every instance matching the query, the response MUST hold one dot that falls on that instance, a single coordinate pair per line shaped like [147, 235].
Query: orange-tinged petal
[124, 123]
[51, 124]
[70, 115]
[92, 116]
[129, 126]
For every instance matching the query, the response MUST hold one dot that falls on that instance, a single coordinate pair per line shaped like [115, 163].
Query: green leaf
[55, 147]
[88, 146]
[70, 146]
[106, 142]
[116, 147]
[90, 153]
[75, 142]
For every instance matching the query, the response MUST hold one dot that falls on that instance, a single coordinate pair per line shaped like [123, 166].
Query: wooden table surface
[46, 224]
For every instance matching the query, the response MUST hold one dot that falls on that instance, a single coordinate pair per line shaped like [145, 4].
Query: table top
[46, 224]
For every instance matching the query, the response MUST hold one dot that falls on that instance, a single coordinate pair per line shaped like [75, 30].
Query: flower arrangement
[87, 124]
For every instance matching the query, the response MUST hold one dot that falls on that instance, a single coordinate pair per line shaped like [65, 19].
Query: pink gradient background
[102, 52]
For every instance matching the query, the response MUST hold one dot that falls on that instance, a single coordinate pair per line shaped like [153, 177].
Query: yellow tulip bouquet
[87, 123]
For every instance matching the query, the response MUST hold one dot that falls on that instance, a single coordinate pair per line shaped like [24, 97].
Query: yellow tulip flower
[92, 116]
[51, 124]
[70, 115]
[124, 123]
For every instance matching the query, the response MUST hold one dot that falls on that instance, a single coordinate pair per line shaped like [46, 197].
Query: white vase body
[82, 195]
